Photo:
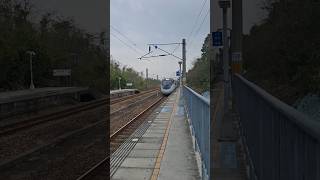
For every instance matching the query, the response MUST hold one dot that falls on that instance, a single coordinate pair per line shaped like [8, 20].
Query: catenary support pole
[184, 61]
[180, 73]
[225, 4]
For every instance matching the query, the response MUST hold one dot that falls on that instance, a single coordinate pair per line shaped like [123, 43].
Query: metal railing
[198, 111]
[283, 144]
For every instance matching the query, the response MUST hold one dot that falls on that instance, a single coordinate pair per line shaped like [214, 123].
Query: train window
[166, 82]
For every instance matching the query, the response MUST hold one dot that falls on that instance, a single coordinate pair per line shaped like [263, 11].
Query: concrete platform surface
[165, 151]
[13, 96]
[179, 159]
[122, 91]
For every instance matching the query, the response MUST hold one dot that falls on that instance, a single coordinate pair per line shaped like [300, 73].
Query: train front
[167, 86]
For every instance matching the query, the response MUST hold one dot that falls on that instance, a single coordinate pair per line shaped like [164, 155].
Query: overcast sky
[148, 21]
[164, 21]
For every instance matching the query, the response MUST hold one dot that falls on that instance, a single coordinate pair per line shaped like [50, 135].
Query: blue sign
[217, 38]
[178, 73]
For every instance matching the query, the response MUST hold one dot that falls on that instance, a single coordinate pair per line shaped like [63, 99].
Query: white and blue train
[168, 85]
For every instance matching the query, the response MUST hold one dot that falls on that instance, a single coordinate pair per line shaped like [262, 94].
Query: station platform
[21, 95]
[31, 100]
[122, 92]
[162, 147]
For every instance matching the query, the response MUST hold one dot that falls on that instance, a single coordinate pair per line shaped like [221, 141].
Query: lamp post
[119, 79]
[31, 53]
[147, 77]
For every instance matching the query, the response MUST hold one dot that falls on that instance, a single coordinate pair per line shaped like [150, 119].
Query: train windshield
[166, 84]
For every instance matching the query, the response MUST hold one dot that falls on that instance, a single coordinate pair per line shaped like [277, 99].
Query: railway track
[72, 134]
[117, 137]
[49, 154]
[116, 100]
[33, 121]
[100, 170]
[24, 124]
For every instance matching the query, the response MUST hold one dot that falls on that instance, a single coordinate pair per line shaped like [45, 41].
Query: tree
[282, 53]
[58, 44]
[199, 75]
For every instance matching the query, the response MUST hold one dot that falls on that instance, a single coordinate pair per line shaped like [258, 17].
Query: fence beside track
[282, 143]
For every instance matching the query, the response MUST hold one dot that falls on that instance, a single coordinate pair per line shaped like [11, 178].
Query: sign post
[63, 73]
[178, 73]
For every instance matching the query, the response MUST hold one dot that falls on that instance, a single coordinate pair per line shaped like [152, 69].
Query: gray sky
[165, 21]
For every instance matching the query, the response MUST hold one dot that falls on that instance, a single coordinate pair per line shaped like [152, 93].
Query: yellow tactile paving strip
[156, 169]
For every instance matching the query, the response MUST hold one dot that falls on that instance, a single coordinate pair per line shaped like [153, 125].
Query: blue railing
[283, 144]
[198, 111]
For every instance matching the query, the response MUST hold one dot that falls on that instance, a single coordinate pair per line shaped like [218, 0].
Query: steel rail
[33, 121]
[93, 170]
[13, 127]
[116, 100]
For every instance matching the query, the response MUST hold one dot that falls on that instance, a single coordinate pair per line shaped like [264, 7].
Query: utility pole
[236, 36]
[225, 4]
[184, 61]
[147, 78]
[31, 53]
[157, 78]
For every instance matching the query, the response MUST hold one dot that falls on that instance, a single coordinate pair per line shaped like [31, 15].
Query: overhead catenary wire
[161, 55]
[193, 27]
[127, 38]
[175, 48]
[168, 53]
[115, 29]
[125, 43]
[196, 22]
[144, 56]
[163, 44]
[196, 34]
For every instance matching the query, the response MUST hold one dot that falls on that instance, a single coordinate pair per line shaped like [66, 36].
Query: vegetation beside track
[282, 53]
[129, 75]
[58, 44]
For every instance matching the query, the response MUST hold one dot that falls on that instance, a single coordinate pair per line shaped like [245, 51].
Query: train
[168, 85]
